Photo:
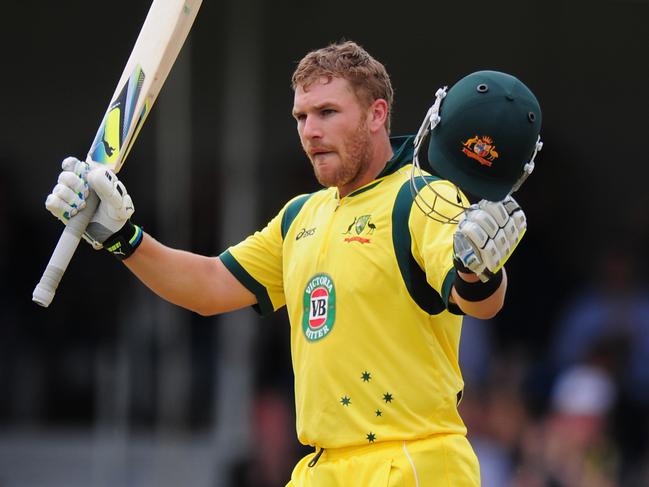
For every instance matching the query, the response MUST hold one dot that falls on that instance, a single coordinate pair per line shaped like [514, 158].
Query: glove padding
[71, 191]
[487, 235]
[69, 196]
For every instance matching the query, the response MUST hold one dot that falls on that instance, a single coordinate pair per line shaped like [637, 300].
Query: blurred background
[110, 386]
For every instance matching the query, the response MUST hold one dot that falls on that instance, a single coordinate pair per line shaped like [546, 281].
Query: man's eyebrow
[316, 107]
[325, 104]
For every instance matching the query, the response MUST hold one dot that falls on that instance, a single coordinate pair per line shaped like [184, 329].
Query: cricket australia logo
[481, 148]
[361, 227]
[319, 307]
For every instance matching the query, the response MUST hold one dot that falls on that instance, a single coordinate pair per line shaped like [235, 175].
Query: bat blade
[108, 147]
[160, 39]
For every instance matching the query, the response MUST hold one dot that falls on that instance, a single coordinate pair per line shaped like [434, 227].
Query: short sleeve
[257, 262]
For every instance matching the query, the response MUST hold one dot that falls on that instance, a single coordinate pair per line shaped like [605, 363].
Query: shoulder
[292, 209]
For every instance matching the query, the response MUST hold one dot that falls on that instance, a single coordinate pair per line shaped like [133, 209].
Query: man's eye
[327, 111]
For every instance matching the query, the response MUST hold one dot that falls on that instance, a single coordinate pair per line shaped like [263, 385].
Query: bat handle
[46, 288]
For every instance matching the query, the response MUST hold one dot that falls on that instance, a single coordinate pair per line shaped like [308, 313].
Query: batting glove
[487, 235]
[110, 227]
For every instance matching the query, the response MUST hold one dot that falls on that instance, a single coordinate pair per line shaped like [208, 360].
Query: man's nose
[311, 128]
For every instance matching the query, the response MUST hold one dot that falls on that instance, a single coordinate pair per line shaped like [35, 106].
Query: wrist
[125, 241]
[468, 276]
[460, 267]
[473, 289]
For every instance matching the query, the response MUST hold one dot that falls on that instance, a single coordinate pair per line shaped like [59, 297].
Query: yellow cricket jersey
[366, 281]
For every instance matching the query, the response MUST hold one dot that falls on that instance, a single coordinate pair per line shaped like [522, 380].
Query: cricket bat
[162, 35]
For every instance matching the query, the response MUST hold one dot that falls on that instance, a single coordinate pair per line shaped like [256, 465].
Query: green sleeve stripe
[414, 277]
[446, 292]
[291, 212]
[264, 305]
[448, 285]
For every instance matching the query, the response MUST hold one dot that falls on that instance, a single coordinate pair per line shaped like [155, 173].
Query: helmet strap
[528, 167]
[417, 177]
[431, 120]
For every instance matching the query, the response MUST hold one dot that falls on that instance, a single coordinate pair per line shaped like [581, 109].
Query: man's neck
[381, 154]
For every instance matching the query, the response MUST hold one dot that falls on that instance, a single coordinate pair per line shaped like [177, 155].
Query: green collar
[404, 150]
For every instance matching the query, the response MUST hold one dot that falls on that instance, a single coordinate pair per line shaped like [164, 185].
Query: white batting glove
[71, 191]
[69, 195]
[115, 207]
[487, 235]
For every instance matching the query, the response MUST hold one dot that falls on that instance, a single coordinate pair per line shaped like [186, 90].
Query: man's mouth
[319, 152]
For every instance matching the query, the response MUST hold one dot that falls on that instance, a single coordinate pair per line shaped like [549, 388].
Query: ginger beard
[354, 159]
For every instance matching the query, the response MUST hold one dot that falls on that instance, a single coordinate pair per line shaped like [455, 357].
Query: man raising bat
[160, 39]
[375, 289]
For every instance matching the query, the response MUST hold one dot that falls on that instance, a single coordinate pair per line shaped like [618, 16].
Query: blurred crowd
[577, 416]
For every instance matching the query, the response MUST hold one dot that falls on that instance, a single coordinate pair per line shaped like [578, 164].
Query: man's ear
[378, 114]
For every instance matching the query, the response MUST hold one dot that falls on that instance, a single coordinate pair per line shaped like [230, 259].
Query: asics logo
[305, 233]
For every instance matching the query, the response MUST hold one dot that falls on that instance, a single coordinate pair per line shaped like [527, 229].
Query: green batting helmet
[486, 135]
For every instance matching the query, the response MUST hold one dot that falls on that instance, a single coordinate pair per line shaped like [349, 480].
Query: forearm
[485, 308]
[196, 282]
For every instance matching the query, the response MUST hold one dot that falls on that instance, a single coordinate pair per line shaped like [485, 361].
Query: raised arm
[201, 284]
[486, 237]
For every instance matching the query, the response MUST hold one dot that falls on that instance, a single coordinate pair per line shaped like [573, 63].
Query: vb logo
[318, 309]
[319, 302]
